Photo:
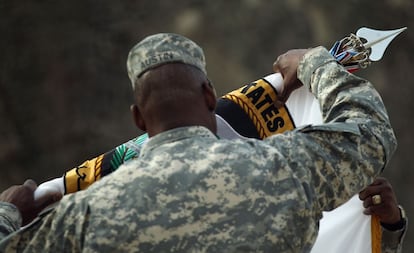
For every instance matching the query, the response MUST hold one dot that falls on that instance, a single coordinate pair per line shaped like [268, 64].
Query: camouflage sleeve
[57, 229]
[337, 159]
[352, 104]
[347, 98]
[393, 235]
[392, 240]
[10, 219]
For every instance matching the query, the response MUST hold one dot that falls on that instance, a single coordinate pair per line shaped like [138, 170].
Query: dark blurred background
[65, 94]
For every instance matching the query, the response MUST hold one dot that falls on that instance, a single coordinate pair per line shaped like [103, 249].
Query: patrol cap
[162, 48]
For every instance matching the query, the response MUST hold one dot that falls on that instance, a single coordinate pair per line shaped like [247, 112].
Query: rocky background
[65, 94]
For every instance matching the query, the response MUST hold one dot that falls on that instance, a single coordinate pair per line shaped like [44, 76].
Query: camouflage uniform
[392, 239]
[189, 191]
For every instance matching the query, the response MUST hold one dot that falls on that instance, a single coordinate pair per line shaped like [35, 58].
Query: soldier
[195, 192]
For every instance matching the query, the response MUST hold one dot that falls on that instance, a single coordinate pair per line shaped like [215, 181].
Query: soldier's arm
[54, 230]
[393, 235]
[335, 160]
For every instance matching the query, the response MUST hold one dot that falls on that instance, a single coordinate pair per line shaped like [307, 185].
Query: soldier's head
[170, 84]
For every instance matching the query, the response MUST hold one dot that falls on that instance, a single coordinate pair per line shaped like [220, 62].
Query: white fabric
[302, 104]
[51, 186]
[276, 80]
[345, 229]
[304, 107]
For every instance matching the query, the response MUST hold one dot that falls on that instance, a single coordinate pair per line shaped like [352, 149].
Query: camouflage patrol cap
[162, 48]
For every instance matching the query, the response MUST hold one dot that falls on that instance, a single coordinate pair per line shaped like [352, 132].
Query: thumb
[30, 205]
[31, 184]
[289, 86]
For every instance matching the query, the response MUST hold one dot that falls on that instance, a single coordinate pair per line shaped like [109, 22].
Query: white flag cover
[345, 229]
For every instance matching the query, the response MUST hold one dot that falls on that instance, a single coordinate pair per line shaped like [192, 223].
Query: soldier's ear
[137, 116]
[210, 97]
